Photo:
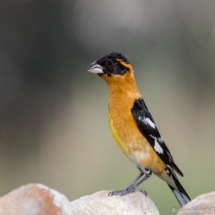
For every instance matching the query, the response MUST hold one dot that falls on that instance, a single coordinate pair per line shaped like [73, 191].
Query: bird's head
[113, 68]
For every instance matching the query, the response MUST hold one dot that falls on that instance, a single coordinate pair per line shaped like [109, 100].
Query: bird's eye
[108, 63]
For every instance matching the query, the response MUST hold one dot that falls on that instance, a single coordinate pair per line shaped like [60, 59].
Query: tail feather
[182, 198]
[178, 190]
[177, 169]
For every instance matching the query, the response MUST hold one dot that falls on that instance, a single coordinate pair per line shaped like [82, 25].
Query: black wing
[147, 127]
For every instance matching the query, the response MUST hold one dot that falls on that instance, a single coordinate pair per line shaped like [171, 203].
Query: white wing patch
[147, 121]
[158, 148]
[160, 140]
[152, 137]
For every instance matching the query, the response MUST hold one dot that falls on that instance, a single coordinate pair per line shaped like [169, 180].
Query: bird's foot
[127, 191]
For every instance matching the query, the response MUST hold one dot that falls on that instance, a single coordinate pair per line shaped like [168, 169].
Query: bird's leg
[135, 180]
[134, 187]
[148, 173]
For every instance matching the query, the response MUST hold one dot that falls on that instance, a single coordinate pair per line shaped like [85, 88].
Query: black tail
[176, 169]
[180, 193]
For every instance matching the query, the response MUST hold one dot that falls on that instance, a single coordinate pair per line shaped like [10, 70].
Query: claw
[127, 191]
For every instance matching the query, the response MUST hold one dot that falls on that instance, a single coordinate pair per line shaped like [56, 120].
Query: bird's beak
[95, 68]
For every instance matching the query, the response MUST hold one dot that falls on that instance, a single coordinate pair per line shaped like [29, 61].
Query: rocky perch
[33, 199]
[37, 199]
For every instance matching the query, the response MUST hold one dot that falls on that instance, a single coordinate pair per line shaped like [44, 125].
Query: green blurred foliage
[53, 115]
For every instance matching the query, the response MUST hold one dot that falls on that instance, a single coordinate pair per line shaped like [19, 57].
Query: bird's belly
[135, 146]
[149, 159]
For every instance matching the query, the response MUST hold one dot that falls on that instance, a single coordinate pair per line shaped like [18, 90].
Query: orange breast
[133, 144]
[126, 133]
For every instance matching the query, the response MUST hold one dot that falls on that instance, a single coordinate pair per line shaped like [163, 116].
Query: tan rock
[100, 204]
[204, 204]
[37, 199]
[34, 199]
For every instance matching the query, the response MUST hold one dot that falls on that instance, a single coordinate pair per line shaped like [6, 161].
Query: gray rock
[100, 204]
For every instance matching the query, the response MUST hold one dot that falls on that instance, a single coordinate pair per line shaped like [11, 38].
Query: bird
[134, 129]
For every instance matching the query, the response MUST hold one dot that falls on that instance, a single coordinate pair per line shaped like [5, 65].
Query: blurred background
[53, 114]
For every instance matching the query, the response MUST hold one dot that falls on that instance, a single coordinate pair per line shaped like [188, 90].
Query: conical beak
[95, 68]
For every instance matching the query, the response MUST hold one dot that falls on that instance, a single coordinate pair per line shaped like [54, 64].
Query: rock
[204, 204]
[100, 204]
[37, 199]
[34, 199]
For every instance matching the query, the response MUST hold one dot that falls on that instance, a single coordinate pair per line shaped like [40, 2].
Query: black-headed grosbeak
[133, 127]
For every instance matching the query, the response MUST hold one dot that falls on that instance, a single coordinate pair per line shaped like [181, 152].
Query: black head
[111, 64]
